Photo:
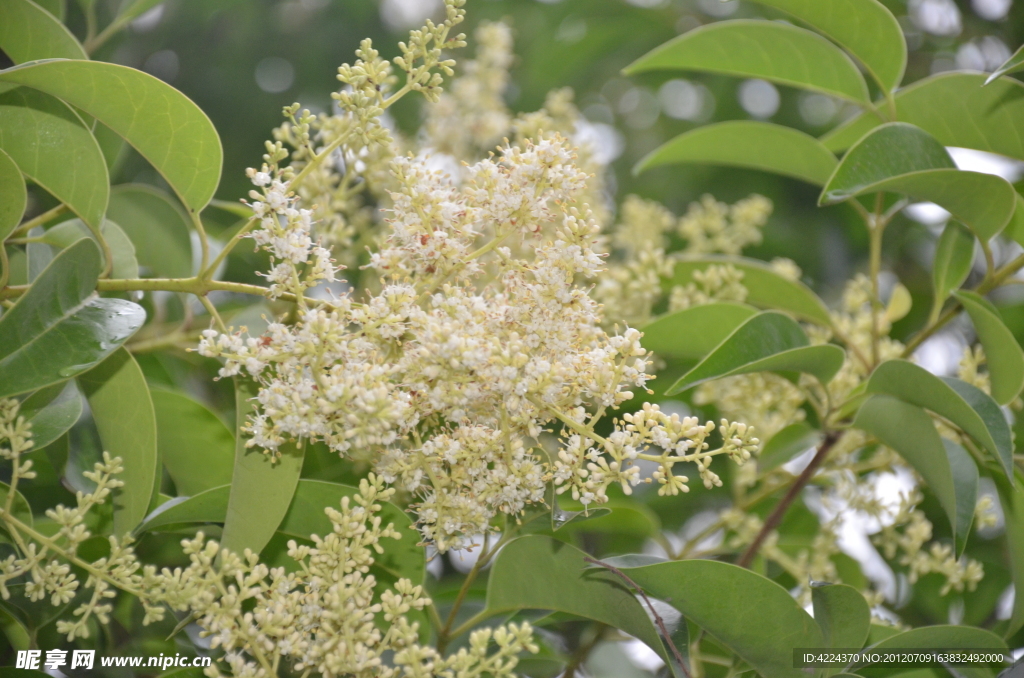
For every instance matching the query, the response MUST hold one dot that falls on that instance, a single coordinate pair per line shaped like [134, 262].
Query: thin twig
[779, 512]
[654, 613]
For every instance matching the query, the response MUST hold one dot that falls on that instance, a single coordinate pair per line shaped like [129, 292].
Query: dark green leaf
[195, 446]
[1012, 65]
[12, 187]
[964, 405]
[965, 485]
[674, 335]
[770, 50]
[51, 411]
[1015, 229]
[59, 328]
[261, 491]
[842, 614]
[766, 288]
[956, 110]
[123, 413]
[53, 147]
[157, 226]
[632, 519]
[754, 145]
[54, 7]
[1002, 352]
[953, 256]
[161, 123]
[719, 597]
[540, 573]
[946, 637]
[984, 202]
[885, 152]
[121, 248]
[305, 517]
[786, 444]
[909, 431]
[865, 28]
[1011, 498]
[28, 32]
[767, 342]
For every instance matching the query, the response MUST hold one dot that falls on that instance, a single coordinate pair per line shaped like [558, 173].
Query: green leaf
[28, 32]
[786, 444]
[673, 335]
[157, 226]
[261, 491]
[20, 508]
[305, 516]
[966, 406]
[133, 8]
[955, 109]
[1011, 499]
[540, 573]
[54, 7]
[719, 597]
[842, 614]
[59, 328]
[952, 264]
[885, 152]
[121, 248]
[767, 342]
[1015, 229]
[765, 287]
[12, 187]
[53, 147]
[946, 637]
[1002, 352]
[123, 413]
[909, 431]
[865, 28]
[1012, 65]
[770, 50]
[161, 123]
[195, 446]
[749, 144]
[51, 411]
[965, 486]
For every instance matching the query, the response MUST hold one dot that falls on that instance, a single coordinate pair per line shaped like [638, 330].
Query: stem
[875, 229]
[446, 634]
[666, 636]
[212, 310]
[204, 242]
[189, 285]
[108, 256]
[39, 220]
[779, 512]
[207, 272]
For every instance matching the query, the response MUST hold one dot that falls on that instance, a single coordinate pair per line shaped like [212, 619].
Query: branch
[779, 512]
[654, 613]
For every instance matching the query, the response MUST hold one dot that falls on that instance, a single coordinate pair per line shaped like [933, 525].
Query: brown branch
[654, 613]
[779, 512]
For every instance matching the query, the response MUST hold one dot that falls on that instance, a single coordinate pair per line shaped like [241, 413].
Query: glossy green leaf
[261, 491]
[789, 442]
[767, 342]
[1011, 498]
[1012, 65]
[1002, 352]
[865, 28]
[765, 287]
[59, 328]
[965, 486]
[51, 411]
[770, 50]
[909, 431]
[12, 188]
[196, 448]
[122, 410]
[719, 597]
[161, 123]
[624, 518]
[966, 406]
[887, 151]
[984, 202]
[749, 144]
[305, 516]
[122, 250]
[842, 614]
[157, 226]
[952, 263]
[946, 637]
[28, 32]
[540, 573]
[955, 109]
[694, 332]
[53, 147]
